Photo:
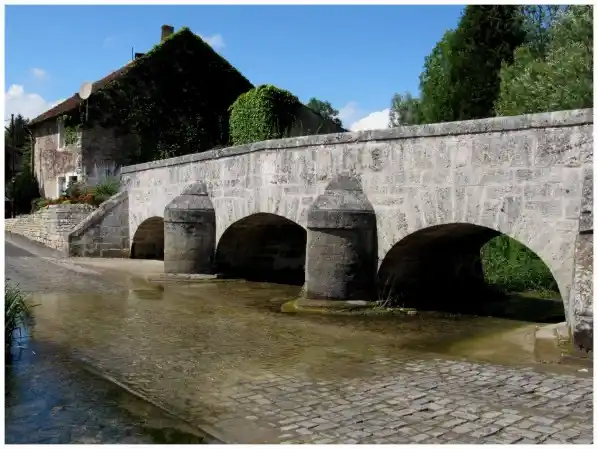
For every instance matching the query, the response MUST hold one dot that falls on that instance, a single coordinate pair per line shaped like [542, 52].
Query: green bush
[265, 112]
[23, 189]
[513, 267]
[107, 188]
[75, 190]
[17, 314]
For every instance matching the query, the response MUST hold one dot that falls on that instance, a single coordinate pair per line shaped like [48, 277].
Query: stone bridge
[348, 214]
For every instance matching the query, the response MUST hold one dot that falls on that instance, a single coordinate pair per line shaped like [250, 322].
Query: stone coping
[494, 124]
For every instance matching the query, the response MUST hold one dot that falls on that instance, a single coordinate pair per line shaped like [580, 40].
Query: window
[61, 185]
[61, 135]
[72, 179]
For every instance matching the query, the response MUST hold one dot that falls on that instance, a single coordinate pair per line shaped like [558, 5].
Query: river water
[188, 344]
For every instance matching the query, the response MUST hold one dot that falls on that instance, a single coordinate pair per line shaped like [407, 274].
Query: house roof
[74, 101]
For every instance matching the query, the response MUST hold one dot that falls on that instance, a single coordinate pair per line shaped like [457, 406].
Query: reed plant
[17, 315]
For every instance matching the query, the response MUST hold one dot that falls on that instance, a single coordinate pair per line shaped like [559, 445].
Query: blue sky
[356, 57]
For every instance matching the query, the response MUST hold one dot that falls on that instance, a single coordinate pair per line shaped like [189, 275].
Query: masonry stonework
[50, 225]
[520, 176]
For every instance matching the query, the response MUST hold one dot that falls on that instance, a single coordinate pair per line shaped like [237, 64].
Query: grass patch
[512, 267]
[17, 315]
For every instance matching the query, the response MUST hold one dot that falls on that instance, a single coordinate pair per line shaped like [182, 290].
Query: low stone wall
[50, 225]
[103, 233]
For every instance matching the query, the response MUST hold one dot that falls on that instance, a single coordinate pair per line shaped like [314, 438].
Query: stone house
[62, 156]
[88, 157]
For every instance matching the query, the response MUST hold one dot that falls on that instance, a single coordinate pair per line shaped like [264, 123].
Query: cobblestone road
[411, 399]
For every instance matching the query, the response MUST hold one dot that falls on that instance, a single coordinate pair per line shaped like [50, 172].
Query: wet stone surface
[51, 400]
[221, 356]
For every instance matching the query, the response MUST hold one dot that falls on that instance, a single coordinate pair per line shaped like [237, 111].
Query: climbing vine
[265, 112]
[172, 101]
[72, 130]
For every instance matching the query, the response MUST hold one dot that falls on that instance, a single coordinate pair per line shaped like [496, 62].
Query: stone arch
[440, 268]
[148, 241]
[263, 247]
[503, 209]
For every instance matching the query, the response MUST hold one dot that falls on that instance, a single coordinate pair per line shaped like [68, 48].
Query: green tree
[537, 22]
[21, 186]
[405, 110]
[325, 109]
[17, 140]
[562, 79]
[434, 82]
[486, 37]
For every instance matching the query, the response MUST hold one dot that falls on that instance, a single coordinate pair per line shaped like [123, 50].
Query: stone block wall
[103, 233]
[50, 225]
[581, 301]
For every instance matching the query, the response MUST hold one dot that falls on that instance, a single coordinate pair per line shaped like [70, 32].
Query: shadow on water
[50, 399]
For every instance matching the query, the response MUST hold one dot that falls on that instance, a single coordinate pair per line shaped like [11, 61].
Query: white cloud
[374, 120]
[39, 74]
[215, 41]
[349, 112]
[18, 101]
[356, 119]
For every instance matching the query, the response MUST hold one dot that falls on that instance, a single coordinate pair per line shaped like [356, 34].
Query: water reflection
[241, 323]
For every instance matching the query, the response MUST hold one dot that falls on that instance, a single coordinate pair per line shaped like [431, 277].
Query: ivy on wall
[263, 113]
[174, 100]
[71, 128]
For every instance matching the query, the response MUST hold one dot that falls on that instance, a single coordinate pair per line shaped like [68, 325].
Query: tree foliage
[435, 84]
[405, 110]
[486, 37]
[265, 112]
[325, 109]
[460, 79]
[21, 185]
[537, 22]
[562, 78]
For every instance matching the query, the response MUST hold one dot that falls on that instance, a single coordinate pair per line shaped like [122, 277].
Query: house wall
[93, 158]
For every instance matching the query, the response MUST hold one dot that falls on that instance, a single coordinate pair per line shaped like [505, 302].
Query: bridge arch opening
[148, 241]
[263, 248]
[469, 269]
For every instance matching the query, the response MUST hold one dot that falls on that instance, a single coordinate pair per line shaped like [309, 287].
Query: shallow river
[190, 344]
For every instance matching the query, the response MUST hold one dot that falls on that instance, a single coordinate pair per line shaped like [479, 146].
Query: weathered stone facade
[92, 158]
[520, 176]
[51, 225]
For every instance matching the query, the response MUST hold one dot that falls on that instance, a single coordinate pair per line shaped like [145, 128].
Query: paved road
[387, 399]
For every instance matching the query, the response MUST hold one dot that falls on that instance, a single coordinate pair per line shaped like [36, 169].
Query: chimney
[167, 30]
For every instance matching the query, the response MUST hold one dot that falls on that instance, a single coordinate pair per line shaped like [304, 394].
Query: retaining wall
[50, 225]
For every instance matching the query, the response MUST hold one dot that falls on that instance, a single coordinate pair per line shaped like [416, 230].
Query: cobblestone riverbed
[222, 356]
